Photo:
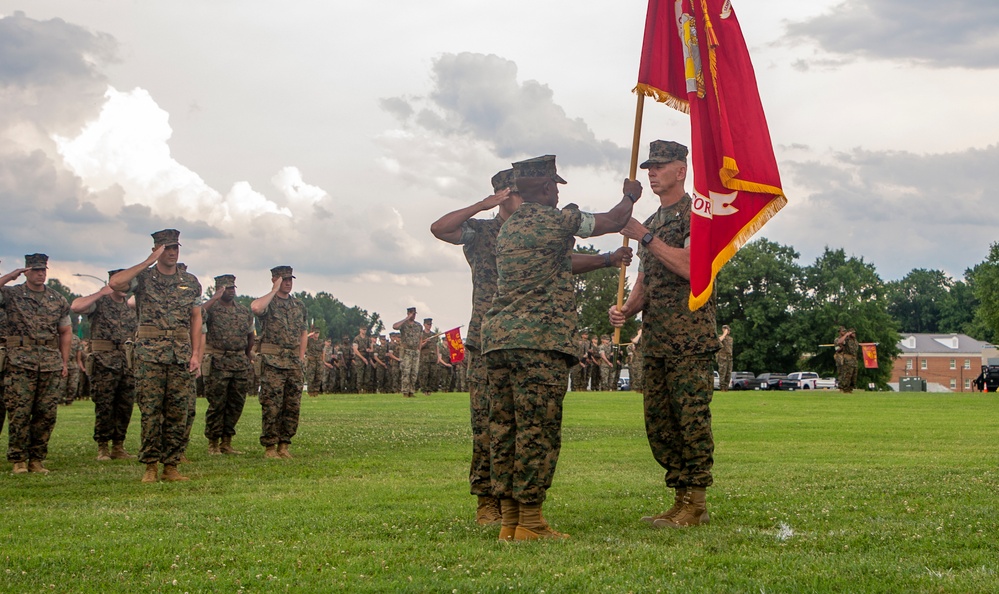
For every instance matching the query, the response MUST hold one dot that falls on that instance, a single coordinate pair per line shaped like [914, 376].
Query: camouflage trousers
[526, 389]
[848, 374]
[280, 404]
[606, 377]
[226, 395]
[32, 399]
[394, 377]
[113, 393]
[164, 392]
[360, 377]
[428, 375]
[678, 394]
[724, 373]
[637, 371]
[314, 374]
[3, 406]
[479, 477]
[70, 385]
[577, 378]
[409, 368]
[594, 376]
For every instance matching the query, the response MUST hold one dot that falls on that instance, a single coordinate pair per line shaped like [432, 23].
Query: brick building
[951, 360]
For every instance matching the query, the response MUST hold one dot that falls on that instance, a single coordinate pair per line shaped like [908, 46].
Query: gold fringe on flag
[663, 97]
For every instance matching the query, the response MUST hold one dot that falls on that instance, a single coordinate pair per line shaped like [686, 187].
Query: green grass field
[814, 492]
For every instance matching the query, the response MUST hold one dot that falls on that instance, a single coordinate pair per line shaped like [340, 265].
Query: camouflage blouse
[410, 334]
[113, 321]
[228, 327]
[282, 324]
[669, 328]
[535, 303]
[37, 315]
[478, 238]
[165, 301]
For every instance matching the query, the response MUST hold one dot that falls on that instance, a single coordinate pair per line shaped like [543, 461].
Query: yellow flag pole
[632, 174]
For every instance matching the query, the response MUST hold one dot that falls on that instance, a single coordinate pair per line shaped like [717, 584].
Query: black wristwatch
[647, 239]
[631, 197]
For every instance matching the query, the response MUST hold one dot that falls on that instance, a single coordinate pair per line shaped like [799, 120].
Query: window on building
[922, 364]
[908, 364]
[953, 363]
[967, 384]
[967, 363]
[953, 384]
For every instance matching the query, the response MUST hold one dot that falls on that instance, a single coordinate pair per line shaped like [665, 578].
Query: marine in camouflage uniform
[3, 364]
[283, 340]
[394, 363]
[428, 358]
[724, 358]
[605, 357]
[636, 363]
[678, 344]
[167, 352]
[229, 342]
[313, 363]
[527, 341]
[410, 335]
[848, 350]
[577, 374]
[113, 324]
[38, 340]
[359, 348]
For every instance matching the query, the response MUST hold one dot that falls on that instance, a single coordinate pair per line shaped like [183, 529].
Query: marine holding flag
[678, 344]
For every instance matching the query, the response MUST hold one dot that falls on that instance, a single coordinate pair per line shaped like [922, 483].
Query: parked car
[624, 380]
[744, 380]
[826, 383]
[717, 381]
[806, 379]
[776, 381]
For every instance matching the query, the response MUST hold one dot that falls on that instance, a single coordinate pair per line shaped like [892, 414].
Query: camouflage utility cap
[409, 309]
[224, 281]
[36, 261]
[428, 320]
[537, 167]
[503, 180]
[282, 271]
[665, 151]
[166, 237]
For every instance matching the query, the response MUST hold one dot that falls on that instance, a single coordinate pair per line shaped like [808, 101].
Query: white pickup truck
[807, 380]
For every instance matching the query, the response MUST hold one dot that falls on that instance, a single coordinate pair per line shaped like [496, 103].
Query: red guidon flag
[455, 345]
[870, 352]
[695, 59]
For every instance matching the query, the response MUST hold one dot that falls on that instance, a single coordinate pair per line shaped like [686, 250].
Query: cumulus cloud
[958, 33]
[896, 208]
[478, 116]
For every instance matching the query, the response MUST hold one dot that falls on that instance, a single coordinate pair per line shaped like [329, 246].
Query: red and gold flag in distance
[870, 352]
[694, 59]
[455, 345]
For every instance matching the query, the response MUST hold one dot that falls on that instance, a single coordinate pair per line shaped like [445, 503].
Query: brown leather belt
[154, 332]
[16, 341]
[214, 351]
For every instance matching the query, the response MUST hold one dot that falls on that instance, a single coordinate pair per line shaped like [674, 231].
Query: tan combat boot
[532, 525]
[36, 466]
[102, 451]
[171, 474]
[694, 511]
[149, 476]
[20, 468]
[213, 447]
[271, 452]
[488, 511]
[183, 459]
[677, 504]
[118, 452]
[510, 512]
[282, 451]
[226, 447]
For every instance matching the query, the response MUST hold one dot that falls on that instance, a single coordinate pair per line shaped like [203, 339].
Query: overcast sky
[329, 135]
